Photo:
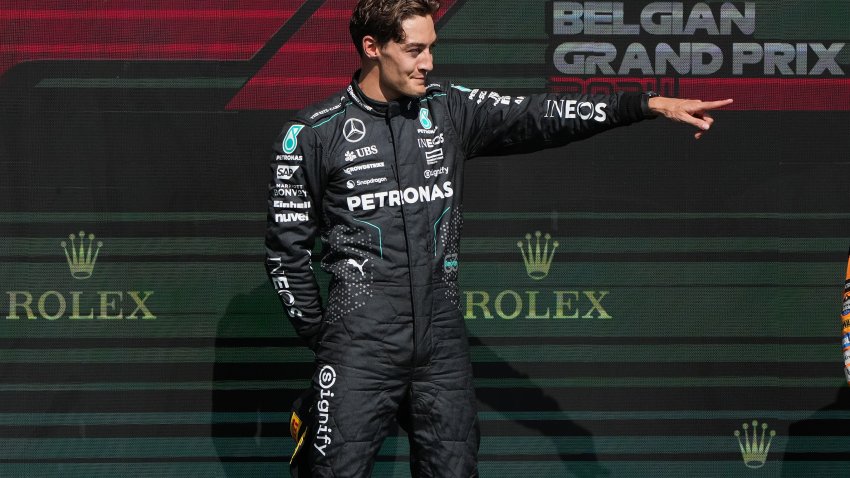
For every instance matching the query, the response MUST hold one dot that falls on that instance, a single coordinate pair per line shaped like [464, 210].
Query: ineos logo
[354, 130]
[327, 377]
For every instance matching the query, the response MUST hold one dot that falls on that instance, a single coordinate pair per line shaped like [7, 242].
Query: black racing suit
[381, 184]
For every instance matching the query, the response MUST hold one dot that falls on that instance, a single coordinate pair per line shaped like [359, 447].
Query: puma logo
[359, 266]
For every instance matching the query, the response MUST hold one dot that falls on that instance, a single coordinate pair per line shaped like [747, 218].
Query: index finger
[710, 105]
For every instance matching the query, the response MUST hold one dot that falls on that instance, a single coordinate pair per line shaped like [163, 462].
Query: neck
[370, 83]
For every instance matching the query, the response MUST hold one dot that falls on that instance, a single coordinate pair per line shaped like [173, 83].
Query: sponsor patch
[290, 141]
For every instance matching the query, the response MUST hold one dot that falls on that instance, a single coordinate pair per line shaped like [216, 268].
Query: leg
[444, 435]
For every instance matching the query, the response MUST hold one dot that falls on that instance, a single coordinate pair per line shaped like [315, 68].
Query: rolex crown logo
[753, 448]
[81, 260]
[537, 260]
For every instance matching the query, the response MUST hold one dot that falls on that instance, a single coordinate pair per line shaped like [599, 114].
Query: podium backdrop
[687, 325]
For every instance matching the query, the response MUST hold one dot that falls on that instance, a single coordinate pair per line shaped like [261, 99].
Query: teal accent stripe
[655, 469]
[656, 353]
[190, 418]
[634, 444]
[435, 229]
[614, 415]
[435, 95]
[380, 237]
[138, 386]
[676, 353]
[500, 383]
[143, 83]
[207, 246]
[556, 215]
[487, 468]
[65, 217]
[210, 469]
[175, 418]
[332, 116]
[114, 447]
[663, 382]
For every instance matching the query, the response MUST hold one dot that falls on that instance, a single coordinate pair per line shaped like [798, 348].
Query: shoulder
[323, 112]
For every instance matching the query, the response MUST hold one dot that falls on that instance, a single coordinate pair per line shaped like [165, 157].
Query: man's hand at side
[692, 112]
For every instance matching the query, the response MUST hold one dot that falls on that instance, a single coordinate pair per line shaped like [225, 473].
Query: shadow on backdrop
[800, 458]
[264, 439]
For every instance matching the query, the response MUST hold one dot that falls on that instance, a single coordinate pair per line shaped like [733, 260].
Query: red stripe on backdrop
[145, 14]
[320, 49]
[138, 30]
[772, 94]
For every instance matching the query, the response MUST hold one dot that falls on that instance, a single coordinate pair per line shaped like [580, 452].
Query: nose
[427, 63]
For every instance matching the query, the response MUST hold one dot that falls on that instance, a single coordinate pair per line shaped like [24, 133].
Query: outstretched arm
[692, 112]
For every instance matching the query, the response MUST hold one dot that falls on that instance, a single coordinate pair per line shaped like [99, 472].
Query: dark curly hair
[382, 19]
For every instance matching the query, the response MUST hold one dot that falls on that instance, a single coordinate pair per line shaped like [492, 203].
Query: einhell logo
[81, 253]
[551, 303]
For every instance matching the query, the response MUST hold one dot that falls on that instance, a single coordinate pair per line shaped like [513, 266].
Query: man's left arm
[492, 124]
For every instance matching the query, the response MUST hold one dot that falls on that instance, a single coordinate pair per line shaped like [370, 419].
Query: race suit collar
[378, 108]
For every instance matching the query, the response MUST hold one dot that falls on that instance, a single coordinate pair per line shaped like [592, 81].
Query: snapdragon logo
[327, 379]
[368, 202]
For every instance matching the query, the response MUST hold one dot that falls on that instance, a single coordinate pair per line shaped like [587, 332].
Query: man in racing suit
[376, 172]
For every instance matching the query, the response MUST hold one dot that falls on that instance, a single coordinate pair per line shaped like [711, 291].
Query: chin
[417, 90]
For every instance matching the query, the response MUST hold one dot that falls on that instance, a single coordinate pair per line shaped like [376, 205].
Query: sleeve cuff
[644, 105]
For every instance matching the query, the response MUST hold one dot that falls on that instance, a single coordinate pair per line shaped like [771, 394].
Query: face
[404, 66]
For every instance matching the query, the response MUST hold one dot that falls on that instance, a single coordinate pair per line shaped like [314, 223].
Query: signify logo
[753, 447]
[81, 254]
[551, 303]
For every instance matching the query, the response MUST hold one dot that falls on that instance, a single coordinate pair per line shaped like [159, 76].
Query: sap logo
[431, 142]
[286, 172]
[291, 217]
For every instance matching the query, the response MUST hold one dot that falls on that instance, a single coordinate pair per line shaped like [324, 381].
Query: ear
[371, 48]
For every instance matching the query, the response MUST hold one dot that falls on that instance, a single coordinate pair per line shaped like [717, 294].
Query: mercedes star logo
[354, 130]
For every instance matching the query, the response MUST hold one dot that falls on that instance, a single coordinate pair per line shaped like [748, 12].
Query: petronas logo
[290, 141]
[81, 260]
[424, 120]
[753, 448]
[537, 259]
